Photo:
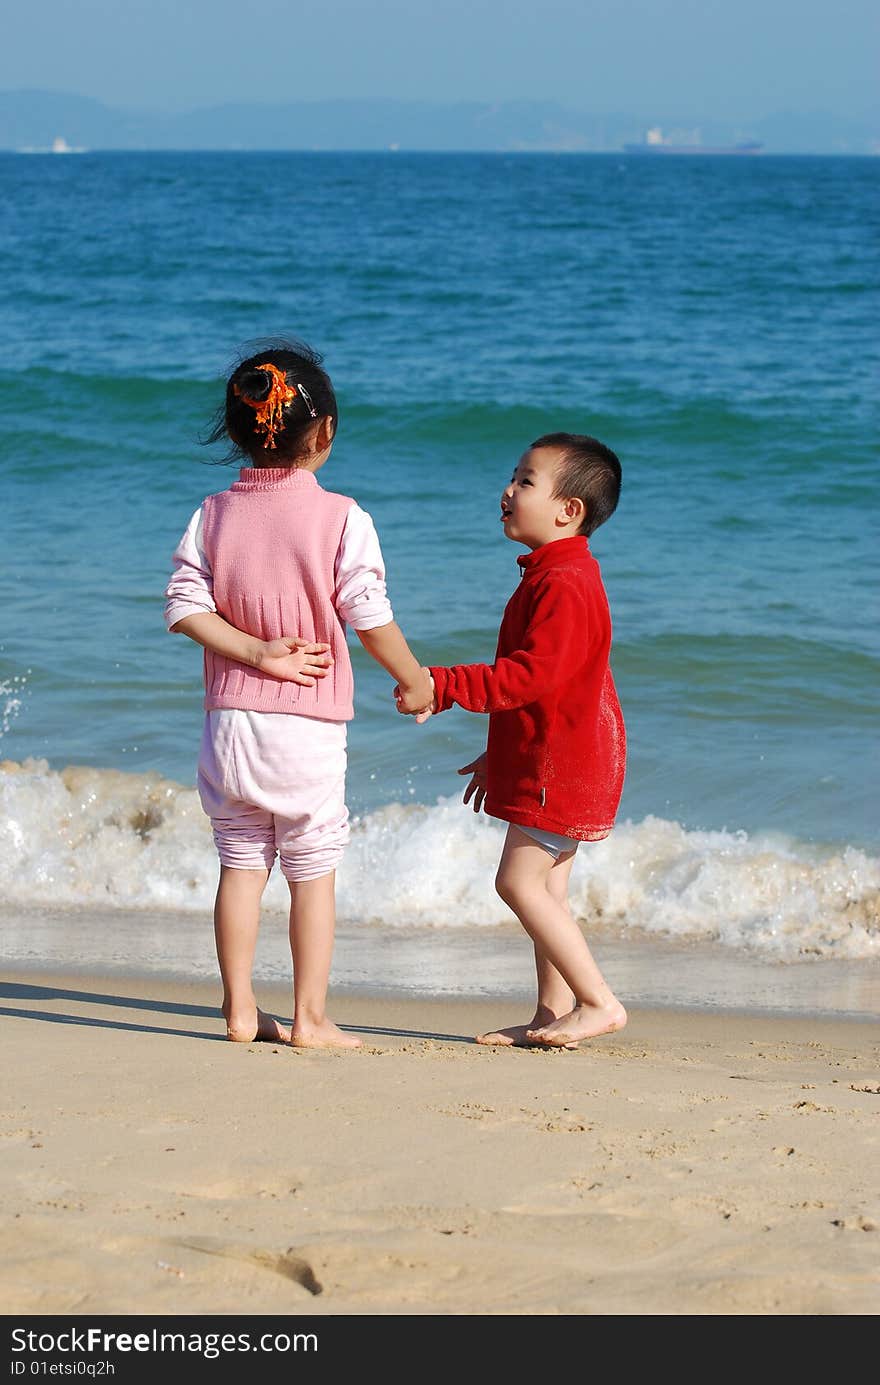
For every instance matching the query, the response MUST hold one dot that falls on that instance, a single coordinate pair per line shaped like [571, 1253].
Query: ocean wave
[459, 416]
[83, 836]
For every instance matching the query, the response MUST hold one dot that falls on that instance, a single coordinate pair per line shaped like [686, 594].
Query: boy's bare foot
[583, 1022]
[323, 1034]
[517, 1035]
[265, 1029]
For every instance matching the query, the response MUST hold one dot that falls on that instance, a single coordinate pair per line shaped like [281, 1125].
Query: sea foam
[84, 836]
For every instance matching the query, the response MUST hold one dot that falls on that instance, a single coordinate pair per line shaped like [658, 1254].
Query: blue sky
[691, 59]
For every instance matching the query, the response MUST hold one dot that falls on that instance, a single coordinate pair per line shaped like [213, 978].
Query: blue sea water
[713, 320]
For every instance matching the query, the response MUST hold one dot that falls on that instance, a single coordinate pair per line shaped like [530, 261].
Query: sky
[694, 59]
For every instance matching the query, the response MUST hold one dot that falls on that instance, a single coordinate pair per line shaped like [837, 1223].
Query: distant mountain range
[33, 120]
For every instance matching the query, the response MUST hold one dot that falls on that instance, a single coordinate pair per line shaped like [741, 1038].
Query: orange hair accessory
[269, 410]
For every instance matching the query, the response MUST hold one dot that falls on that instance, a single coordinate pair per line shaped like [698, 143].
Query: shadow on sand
[22, 992]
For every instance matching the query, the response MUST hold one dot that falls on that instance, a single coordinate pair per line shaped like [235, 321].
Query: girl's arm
[386, 644]
[190, 610]
[361, 601]
[290, 659]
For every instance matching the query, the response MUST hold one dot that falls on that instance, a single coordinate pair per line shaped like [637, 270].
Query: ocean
[712, 320]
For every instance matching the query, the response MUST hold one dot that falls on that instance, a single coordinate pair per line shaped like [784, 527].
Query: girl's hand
[479, 784]
[416, 701]
[295, 660]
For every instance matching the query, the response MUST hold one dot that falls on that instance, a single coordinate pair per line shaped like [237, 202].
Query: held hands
[295, 660]
[476, 789]
[416, 699]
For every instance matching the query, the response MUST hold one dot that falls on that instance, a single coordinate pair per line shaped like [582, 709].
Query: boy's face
[530, 512]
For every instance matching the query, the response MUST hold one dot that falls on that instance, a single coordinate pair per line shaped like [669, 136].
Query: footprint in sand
[556, 1122]
[233, 1189]
[855, 1223]
[290, 1265]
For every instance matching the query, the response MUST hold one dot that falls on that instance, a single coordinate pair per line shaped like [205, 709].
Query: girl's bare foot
[583, 1022]
[322, 1034]
[517, 1035]
[262, 1029]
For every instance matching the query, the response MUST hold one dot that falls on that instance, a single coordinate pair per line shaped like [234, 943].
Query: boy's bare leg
[522, 883]
[312, 927]
[554, 995]
[236, 923]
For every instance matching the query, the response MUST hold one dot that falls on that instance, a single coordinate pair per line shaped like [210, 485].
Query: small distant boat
[59, 145]
[654, 143]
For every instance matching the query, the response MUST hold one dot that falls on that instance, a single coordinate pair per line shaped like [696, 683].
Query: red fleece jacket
[557, 745]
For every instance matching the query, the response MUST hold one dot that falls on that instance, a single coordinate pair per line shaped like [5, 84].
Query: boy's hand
[478, 786]
[295, 660]
[416, 699]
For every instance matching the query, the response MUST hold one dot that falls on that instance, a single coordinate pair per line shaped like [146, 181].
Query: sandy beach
[700, 1162]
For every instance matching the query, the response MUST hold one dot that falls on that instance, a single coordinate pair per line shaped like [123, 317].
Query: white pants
[273, 784]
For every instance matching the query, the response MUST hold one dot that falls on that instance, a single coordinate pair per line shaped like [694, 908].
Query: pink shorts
[273, 784]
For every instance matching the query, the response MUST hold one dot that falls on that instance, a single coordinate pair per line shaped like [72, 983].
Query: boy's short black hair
[590, 472]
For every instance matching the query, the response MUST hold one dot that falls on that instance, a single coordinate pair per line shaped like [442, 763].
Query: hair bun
[255, 384]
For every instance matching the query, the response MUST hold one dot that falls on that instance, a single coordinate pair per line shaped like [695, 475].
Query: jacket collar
[557, 551]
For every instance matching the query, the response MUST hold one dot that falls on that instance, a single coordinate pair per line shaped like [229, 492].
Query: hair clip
[308, 400]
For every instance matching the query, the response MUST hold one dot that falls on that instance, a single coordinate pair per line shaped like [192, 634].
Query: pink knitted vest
[272, 541]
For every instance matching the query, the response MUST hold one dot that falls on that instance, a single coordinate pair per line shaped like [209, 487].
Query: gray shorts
[553, 842]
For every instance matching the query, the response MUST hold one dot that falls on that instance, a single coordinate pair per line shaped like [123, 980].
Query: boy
[554, 765]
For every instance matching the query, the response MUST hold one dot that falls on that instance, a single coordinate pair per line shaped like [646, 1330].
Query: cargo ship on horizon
[654, 143]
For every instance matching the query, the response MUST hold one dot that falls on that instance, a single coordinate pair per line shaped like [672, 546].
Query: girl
[273, 553]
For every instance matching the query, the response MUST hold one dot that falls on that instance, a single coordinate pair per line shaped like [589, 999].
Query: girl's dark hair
[589, 471]
[236, 421]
